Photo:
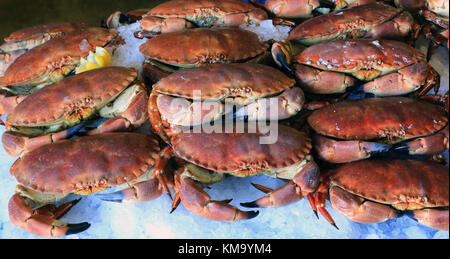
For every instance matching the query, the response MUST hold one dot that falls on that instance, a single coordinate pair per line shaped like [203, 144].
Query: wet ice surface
[152, 219]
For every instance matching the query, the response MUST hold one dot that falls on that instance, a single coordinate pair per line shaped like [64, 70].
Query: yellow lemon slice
[101, 58]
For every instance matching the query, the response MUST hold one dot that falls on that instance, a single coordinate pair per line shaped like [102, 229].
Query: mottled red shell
[98, 161]
[54, 54]
[182, 8]
[45, 28]
[222, 80]
[360, 54]
[396, 181]
[378, 118]
[359, 17]
[81, 90]
[203, 46]
[231, 152]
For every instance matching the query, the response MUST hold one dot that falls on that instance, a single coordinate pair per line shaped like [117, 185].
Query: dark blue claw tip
[112, 197]
[252, 204]
[252, 214]
[282, 61]
[77, 228]
[124, 19]
[401, 148]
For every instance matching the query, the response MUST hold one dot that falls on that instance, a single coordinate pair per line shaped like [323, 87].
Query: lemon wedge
[101, 58]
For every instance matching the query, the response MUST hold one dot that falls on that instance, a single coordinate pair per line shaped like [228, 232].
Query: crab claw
[43, 221]
[143, 191]
[117, 19]
[303, 183]
[16, 144]
[198, 201]
[282, 54]
[428, 145]
[334, 151]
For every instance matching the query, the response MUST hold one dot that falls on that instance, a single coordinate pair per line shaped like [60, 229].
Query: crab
[341, 4]
[81, 166]
[388, 67]
[200, 46]
[357, 129]
[434, 11]
[177, 15]
[22, 40]
[294, 9]
[364, 21]
[238, 154]
[60, 110]
[49, 63]
[375, 190]
[191, 97]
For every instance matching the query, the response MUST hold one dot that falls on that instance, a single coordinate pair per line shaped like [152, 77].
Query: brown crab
[372, 191]
[239, 154]
[364, 21]
[434, 11]
[81, 166]
[191, 97]
[49, 63]
[27, 38]
[59, 110]
[176, 15]
[389, 67]
[200, 46]
[356, 129]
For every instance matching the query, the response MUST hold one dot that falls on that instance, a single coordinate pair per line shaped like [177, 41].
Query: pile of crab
[339, 108]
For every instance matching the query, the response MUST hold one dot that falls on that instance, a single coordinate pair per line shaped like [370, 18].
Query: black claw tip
[124, 19]
[334, 225]
[252, 204]
[315, 213]
[402, 148]
[252, 214]
[112, 197]
[280, 59]
[77, 228]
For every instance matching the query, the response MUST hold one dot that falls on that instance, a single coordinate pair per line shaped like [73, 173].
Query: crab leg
[143, 191]
[254, 17]
[335, 151]
[198, 201]
[157, 25]
[7, 104]
[134, 116]
[304, 183]
[322, 82]
[359, 210]
[433, 218]
[15, 144]
[429, 145]
[405, 81]
[42, 221]
[397, 28]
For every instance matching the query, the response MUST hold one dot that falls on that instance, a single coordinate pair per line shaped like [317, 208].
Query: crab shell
[203, 13]
[87, 164]
[366, 59]
[35, 66]
[242, 153]
[403, 184]
[353, 22]
[36, 35]
[203, 46]
[376, 118]
[63, 100]
[236, 84]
